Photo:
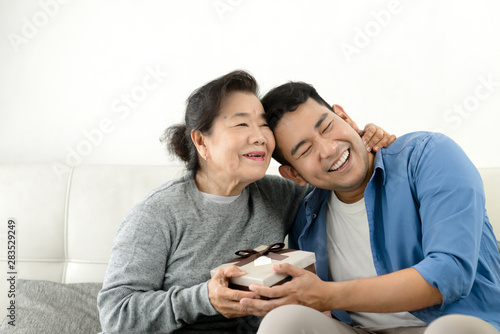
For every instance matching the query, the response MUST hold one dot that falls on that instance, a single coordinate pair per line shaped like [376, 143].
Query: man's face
[322, 148]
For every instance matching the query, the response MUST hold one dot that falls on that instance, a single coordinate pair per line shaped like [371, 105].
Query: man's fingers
[231, 309]
[230, 302]
[287, 268]
[262, 290]
[260, 307]
[237, 295]
[277, 291]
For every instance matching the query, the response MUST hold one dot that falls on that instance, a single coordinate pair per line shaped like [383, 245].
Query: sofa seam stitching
[66, 214]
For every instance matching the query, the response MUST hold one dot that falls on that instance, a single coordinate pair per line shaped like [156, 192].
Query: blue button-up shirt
[426, 209]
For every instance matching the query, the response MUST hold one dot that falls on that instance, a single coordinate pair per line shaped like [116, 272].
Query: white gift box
[258, 266]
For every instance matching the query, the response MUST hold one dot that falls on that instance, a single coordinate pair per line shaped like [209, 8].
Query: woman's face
[240, 144]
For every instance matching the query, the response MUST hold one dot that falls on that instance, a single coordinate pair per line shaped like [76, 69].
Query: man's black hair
[287, 98]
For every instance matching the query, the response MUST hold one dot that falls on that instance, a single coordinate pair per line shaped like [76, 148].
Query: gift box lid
[259, 270]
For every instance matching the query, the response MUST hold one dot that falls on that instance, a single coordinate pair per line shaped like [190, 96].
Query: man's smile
[341, 162]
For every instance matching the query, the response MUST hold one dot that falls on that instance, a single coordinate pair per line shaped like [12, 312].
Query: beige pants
[296, 319]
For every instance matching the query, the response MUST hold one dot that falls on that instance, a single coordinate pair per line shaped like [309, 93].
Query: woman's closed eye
[245, 124]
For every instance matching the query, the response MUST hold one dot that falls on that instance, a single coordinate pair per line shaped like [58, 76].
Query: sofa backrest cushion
[66, 222]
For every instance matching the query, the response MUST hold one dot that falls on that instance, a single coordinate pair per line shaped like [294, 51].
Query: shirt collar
[378, 167]
[315, 199]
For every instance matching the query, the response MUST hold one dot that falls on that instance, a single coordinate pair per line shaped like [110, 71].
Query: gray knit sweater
[157, 277]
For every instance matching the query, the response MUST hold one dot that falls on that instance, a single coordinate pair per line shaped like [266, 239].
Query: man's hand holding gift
[305, 288]
[266, 266]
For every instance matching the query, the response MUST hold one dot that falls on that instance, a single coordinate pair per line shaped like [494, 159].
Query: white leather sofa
[66, 219]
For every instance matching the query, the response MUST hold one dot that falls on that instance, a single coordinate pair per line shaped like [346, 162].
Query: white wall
[74, 70]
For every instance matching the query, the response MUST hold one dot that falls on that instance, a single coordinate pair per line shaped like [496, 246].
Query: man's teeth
[341, 161]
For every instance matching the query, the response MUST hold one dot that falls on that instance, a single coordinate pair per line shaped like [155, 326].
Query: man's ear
[199, 141]
[290, 173]
[342, 114]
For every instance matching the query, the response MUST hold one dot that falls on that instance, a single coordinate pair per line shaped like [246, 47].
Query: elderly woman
[158, 278]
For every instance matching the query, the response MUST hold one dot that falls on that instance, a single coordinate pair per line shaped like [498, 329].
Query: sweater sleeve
[133, 298]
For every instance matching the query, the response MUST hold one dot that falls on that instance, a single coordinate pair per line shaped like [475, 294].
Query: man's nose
[327, 148]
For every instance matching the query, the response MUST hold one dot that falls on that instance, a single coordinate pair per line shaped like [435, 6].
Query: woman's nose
[257, 137]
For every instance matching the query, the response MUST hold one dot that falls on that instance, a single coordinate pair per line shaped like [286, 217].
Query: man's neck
[354, 196]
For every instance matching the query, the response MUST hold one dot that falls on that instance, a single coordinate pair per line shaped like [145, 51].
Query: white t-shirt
[350, 257]
[220, 199]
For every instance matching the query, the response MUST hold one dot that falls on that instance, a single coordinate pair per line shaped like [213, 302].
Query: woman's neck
[216, 184]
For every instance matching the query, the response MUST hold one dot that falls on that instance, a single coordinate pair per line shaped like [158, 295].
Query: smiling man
[401, 236]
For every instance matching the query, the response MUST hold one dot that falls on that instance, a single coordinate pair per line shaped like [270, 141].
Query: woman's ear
[342, 114]
[199, 141]
[290, 173]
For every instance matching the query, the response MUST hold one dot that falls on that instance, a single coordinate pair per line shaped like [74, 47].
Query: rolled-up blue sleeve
[450, 193]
